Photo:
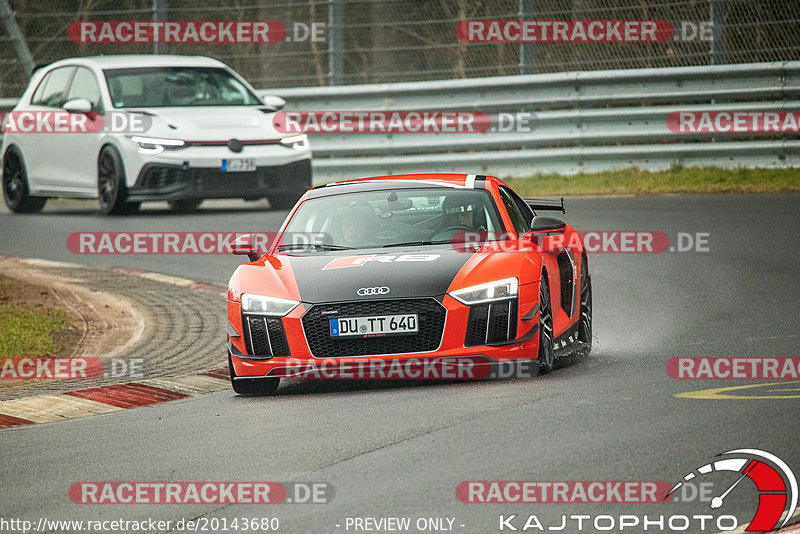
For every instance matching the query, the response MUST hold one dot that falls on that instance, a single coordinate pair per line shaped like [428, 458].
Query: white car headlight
[261, 305]
[297, 142]
[498, 290]
[154, 145]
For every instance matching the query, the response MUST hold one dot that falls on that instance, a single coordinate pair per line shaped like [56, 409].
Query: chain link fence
[374, 41]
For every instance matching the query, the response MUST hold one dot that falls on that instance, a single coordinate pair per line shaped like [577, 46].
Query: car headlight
[154, 145]
[261, 305]
[498, 290]
[297, 142]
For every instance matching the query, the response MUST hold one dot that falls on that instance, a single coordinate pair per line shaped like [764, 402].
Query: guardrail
[584, 121]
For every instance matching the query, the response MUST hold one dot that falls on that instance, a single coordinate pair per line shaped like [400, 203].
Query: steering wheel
[453, 229]
[456, 227]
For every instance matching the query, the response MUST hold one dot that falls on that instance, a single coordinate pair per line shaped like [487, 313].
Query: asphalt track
[394, 449]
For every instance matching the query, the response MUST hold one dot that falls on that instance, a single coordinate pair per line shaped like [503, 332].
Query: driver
[460, 212]
[356, 223]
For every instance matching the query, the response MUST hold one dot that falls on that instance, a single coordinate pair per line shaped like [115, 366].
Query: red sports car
[414, 276]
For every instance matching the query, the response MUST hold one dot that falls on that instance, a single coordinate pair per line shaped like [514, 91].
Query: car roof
[402, 181]
[126, 61]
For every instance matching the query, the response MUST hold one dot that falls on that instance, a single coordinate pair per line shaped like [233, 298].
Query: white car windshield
[153, 87]
[392, 217]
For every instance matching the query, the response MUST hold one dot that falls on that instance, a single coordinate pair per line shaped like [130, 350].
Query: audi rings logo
[368, 291]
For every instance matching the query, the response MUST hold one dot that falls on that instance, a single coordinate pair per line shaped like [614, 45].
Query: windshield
[413, 217]
[154, 87]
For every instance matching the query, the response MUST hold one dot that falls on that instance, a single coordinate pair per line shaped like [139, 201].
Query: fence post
[10, 22]
[335, 42]
[527, 54]
[159, 14]
[718, 45]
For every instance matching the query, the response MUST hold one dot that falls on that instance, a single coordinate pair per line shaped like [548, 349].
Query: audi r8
[415, 268]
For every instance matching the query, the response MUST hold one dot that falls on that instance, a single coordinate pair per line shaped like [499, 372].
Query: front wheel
[111, 190]
[546, 349]
[15, 185]
[252, 387]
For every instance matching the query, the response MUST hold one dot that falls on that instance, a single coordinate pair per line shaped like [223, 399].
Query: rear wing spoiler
[545, 204]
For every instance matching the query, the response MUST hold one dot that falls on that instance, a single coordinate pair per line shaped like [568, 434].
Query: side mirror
[79, 105]
[243, 245]
[273, 101]
[547, 226]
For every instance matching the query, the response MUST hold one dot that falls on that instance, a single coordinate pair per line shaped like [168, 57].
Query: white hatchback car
[174, 128]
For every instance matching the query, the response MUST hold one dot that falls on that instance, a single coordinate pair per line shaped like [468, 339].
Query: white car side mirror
[273, 101]
[79, 105]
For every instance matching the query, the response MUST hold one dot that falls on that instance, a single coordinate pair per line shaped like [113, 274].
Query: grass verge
[675, 180]
[28, 328]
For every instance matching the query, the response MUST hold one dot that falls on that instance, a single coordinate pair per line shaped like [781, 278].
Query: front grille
[431, 318]
[502, 322]
[265, 337]
[277, 338]
[293, 177]
[259, 343]
[565, 272]
[491, 323]
[476, 325]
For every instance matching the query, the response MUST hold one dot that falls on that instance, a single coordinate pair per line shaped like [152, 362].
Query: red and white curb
[110, 398]
[114, 397]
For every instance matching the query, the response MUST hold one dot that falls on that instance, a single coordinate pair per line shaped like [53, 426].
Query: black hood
[405, 271]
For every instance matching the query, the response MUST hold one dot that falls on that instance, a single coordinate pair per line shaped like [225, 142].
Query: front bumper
[166, 181]
[290, 351]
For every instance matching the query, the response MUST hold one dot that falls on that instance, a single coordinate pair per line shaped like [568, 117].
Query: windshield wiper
[412, 243]
[315, 246]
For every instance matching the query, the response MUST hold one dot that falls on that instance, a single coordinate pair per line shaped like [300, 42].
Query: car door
[78, 151]
[37, 146]
[557, 259]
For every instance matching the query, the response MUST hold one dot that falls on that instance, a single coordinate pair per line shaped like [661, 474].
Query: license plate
[374, 325]
[238, 165]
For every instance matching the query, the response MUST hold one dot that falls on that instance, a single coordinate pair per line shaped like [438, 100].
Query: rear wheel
[546, 349]
[111, 189]
[15, 185]
[252, 387]
[186, 205]
[585, 324]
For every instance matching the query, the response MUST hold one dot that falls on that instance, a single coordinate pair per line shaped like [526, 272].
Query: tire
[282, 202]
[546, 356]
[186, 205]
[585, 321]
[252, 387]
[15, 185]
[111, 189]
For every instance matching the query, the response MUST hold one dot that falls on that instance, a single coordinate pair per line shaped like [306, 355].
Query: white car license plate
[238, 165]
[374, 325]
